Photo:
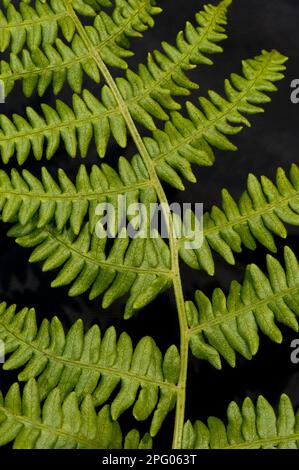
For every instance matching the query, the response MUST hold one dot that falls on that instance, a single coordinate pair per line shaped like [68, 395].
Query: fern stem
[184, 349]
[173, 242]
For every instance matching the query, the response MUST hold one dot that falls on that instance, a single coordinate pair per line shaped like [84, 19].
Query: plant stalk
[173, 242]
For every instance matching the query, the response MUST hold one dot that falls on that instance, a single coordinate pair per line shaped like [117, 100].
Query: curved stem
[184, 350]
[173, 242]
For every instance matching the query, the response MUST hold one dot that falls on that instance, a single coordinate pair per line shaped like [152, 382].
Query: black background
[272, 141]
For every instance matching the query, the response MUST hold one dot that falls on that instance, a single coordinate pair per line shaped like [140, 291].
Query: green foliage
[251, 427]
[44, 208]
[60, 424]
[37, 27]
[191, 140]
[231, 323]
[52, 59]
[89, 365]
[23, 196]
[56, 61]
[139, 267]
[79, 384]
[260, 214]
[32, 26]
[182, 142]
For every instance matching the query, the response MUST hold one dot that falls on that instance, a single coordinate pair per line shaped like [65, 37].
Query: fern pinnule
[51, 59]
[60, 424]
[91, 364]
[249, 427]
[23, 196]
[139, 267]
[226, 325]
[261, 214]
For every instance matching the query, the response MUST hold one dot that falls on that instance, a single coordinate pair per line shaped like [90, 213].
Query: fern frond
[118, 255]
[36, 25]
[32, 27]
[23, 196]
[57, 61]
[146, 93]
[226, 325]
[32, 24]
[260, 214]
[251, 427]
[139, 267]
[191, 140]
[183, 141]
[88, 364]
[41, 206]
[60, 424]
[164, 74]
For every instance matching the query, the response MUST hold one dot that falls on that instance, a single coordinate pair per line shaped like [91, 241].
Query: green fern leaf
[162, 76]
[56, 61]
[183, 141]
[139, 267]
[251, 427]
[58, 423]
[146, 93]
[191, 140]
[262, 211]
[34, 26]
[260, 214]
[68, 374]
[24, 196]
[44, 208]
[231, 324]
[87, 364]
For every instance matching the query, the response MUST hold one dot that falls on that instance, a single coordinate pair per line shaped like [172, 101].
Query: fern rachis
[97, 378]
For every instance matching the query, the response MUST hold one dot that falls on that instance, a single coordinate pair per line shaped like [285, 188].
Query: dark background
[272, 141]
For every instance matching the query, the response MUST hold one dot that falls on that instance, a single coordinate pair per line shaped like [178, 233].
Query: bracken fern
[78, 383]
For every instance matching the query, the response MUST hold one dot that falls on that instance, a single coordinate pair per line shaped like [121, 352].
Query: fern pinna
[79, 383]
